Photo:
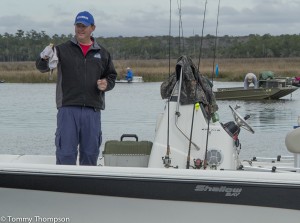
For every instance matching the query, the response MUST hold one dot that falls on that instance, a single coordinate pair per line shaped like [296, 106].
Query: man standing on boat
[250, 78]
[85, 71]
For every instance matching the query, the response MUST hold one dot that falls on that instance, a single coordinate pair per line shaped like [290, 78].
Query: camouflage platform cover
[195, 87]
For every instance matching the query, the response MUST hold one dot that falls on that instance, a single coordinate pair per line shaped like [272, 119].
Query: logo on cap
[84, 18]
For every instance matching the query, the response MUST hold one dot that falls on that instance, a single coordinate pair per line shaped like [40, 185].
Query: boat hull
[86, 208]
[147, 194]
[240, 93]
[135, 79]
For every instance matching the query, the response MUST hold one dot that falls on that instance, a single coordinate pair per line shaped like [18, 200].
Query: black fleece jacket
[77, 74]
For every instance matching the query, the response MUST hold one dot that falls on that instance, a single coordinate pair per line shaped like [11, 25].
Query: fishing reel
[167, 162]
[213, 160]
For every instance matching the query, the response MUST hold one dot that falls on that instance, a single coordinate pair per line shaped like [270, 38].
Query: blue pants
[78, 126]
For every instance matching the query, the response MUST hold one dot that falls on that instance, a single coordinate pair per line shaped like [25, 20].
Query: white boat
[179, 177]
[135, 79]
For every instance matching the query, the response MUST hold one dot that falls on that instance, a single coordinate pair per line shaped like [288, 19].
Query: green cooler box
[127, 153]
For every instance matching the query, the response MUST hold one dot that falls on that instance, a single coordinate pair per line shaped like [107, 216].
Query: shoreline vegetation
[158, 70]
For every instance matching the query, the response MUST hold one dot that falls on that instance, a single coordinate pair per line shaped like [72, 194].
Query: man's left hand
[102, 84]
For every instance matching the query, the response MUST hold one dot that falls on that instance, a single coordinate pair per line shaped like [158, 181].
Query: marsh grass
[158, 70]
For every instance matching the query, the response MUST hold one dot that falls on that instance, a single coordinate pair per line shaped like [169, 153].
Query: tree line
[26, 46]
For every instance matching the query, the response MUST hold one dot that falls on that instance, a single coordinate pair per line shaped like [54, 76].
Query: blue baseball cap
[84, 18]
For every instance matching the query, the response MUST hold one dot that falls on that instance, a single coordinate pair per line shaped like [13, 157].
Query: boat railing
[279, 158]
[271, 169]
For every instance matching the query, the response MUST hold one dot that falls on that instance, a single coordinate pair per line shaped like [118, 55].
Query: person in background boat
[250, 78]
[129, 74]
[85, 71]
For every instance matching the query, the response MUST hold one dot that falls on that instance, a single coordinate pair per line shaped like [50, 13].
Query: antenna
[180, 30]
[215, 47]
[200, 53]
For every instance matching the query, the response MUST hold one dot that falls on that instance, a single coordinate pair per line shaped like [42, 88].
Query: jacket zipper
[85, 75]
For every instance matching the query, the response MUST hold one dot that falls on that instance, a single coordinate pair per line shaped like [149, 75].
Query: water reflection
[28, 117]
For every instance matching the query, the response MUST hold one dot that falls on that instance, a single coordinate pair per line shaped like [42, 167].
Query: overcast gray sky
[152, 17]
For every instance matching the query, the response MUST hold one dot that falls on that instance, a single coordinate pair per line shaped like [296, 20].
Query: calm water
[28, 117]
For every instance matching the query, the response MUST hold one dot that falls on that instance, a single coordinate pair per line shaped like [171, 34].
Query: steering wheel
[240, 121]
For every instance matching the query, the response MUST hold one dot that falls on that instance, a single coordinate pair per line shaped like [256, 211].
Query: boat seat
[292, 141]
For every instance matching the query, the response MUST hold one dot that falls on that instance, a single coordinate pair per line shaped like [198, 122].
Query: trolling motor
[233, 128]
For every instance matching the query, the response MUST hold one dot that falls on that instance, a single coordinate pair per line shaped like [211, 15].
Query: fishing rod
[167, 160]
[212, 74]
[194, 106]
[190, 140]
[181, 42]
